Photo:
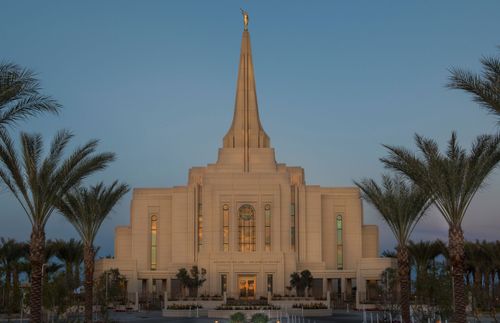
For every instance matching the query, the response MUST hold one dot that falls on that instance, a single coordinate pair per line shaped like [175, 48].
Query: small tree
[183, 277]
[193, 279]
[237, 317]
[306, 279]
[301, 282]
[197, 278]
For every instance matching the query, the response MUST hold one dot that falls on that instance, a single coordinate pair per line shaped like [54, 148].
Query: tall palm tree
[401, 206]
[485, 87]
[452, 179]
[38, 183]
[20, 96]
[86, 209]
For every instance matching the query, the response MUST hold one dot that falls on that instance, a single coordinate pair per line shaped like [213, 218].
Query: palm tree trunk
[89, 255]
[456, 250]
[8, 285]
[37, 246]
[403, 272]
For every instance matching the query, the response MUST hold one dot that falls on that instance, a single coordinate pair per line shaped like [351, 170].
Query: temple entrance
[247, 286]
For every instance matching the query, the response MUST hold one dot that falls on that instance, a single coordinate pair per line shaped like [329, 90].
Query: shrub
[259, 318]
[237, 317]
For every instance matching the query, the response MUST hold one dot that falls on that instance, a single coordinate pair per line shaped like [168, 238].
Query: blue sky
[155, 81]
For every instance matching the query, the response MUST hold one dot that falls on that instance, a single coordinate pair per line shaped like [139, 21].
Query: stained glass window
[340, 256]
[246, 214]
[225, 227]
[154, 229]
[267, 228]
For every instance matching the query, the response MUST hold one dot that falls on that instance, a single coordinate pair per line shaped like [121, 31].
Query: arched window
[154, 229]
[340, 243]
[267, 228]
[246, 221]
[225, 227]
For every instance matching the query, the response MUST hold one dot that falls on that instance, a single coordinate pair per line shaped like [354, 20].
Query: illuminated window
[223, 283]
[292, 218]
[225, 227]
[154, 230]
[340, 257]
[246, 226]
[267, 228]
[200, 218]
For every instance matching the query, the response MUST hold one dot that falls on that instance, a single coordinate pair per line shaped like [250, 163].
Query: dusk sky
[155, 82]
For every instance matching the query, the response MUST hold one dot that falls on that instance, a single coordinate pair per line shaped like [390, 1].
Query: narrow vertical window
[200, 218]
[225, 227]
[154, 229]
[340, 243]
[267, 228]
[223, 283]
[270, 283]
[292, 217]
[247, 228]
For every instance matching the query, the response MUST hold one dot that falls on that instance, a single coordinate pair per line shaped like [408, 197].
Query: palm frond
[400, 204]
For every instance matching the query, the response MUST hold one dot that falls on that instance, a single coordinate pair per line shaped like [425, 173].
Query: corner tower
[246, 131]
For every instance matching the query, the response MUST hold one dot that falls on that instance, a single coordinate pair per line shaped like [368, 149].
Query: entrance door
[247, 285]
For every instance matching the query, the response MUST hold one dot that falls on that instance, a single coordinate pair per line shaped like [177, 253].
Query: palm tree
[86, 209]
[423, 255]
[12, 255]
[401, 205]
[20, 96]
[38, 183]
[71, 254]
[452, 179]
[485, 87]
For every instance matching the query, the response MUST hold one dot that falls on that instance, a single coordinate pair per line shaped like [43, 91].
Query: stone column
[342, 288]
[169, 286]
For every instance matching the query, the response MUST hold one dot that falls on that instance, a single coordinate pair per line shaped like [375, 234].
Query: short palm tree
[12, 254]
[39, 182]
[86, 209]
[71, 254]
[423, 254]
[401, 206]
[452, 179]
[484, 87]
[20, 96]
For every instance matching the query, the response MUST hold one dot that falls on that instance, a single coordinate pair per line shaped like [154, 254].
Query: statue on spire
[245, 18]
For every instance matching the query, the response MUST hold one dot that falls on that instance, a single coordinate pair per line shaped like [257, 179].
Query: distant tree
[71, 254]
[184, 279]
[452, 179]
[193, 279]
[484, 87]
[13, 255]
[401, 206]
[86, 209]
[20, 95]
[423, 254]
[301, 282]
[197, 278]
[38, 183]
[389, 254]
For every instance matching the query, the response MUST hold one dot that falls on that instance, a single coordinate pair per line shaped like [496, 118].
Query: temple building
[249, 221]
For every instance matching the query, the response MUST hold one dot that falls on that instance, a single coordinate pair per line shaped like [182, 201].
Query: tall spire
[246, 130]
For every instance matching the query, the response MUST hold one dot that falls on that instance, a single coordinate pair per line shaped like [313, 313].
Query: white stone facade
[248, 220]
